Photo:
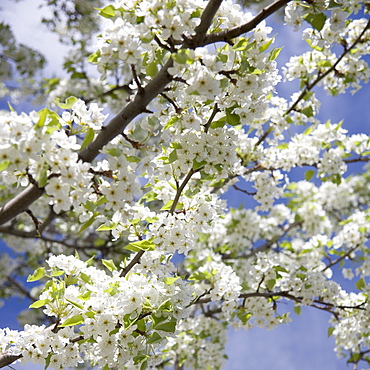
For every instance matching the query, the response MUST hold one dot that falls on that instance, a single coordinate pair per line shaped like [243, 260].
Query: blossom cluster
[116, 316]
[152, 194]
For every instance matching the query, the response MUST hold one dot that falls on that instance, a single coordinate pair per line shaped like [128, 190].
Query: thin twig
[210, 120]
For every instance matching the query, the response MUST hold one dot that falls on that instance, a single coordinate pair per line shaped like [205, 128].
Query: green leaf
[165, 306]
[152, 69]
[154, 338]
[37, 275]
[168, 206]
[361, 284]
[308, 96]
[172, 157]
[309, 175]
[274, 53]
[270, 284]
[170, 280]
[109, 227]
[55, 271]
[86, 278]
[142, 245]
[315, 47]
[114, 152]
[330, 331]
[336, 179]
[140, 358]
[333, 4]
[4, 165]
[232, 119]
[324, 63]
[281, 269]
[256, 71]
[89, 222]
[39, 303]
[77, 305]
[219, 123]
[102, 200]
[47, 360]
[109, 264]
[90, 314]
[74, 320]
[78, 75]
[157, 319]
[43, 113]
[181, 56]
[68, 103]
[133, 158]
[93, 58]
[168, 326]
[43, 177]
[197, 165]
[317, 21]
[10, 107]
[89, 136]
[308, 111]
[265, 46]
[308, 130]
[297, 310]
[176, 145]
[244, 45]
[108, 12]
[354, 358]
[171, 122]
[283, 146]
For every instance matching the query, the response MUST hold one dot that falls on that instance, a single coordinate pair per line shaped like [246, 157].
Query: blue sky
[301, 345]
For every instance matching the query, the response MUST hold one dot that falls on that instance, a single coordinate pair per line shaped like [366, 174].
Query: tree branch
[115, 127]
[205, 21]
[228, 35]
[7, 359]
[320, 77]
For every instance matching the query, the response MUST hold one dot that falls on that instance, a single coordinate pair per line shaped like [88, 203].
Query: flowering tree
[139, 261]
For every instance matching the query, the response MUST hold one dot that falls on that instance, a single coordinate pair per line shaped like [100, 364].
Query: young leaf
[170, 280]
[39, 303]
[330, 331]
[74, 320]
[265, 46]
[297, 310]
[154, 338]
[109, 227]
[77, 305]
[109, 264]
[89, 136]
[37, 275]
[309, 175]
[108, 12]
[68, 104]
[317, 21]
[4, 165]
[168, 326]
[142, 245]
[360, 284]
[89, 222]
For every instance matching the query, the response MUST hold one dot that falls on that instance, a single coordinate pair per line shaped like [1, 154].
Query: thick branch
[138, 105]
[22, 201]
[7, 359]
[228, 35]
[206, 19]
